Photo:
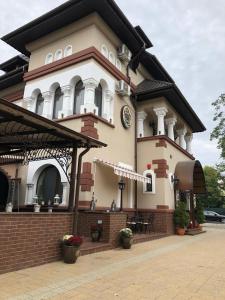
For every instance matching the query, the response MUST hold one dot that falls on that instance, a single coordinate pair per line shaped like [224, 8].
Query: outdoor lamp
[56, 199]
[121, 185]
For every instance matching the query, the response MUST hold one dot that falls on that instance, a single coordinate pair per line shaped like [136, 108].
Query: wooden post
[73, 179]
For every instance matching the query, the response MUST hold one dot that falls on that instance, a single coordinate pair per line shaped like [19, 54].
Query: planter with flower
[96, 232]
[126, 238]
[181, 218]
[71, 248]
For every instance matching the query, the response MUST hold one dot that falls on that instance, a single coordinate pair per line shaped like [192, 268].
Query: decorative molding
[80, 56]
[14, 96]
[164, 137]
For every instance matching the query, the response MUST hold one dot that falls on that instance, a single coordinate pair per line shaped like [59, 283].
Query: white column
[188, 139]
[29, 103]
[48, 100]
[141, 116]
[67, 109]
[181, 133]
[108, 106]
[89, 96]
[170, 123]
[29, 193]
[65, 193]
[160, 112]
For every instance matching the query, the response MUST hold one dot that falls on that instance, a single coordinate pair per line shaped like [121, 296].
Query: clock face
[126, 116]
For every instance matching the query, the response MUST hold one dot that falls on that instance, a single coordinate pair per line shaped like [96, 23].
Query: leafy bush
[199, 213]
[126, 233]
[181, 217]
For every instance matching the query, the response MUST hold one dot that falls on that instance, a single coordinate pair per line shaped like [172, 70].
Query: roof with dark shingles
[150, 85]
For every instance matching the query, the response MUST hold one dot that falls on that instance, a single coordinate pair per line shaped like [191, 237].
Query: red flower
[74, 241]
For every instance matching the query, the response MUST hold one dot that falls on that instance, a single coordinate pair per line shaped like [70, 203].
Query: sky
[188, 38]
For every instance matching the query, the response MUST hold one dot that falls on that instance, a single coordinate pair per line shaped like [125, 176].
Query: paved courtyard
[170, 268]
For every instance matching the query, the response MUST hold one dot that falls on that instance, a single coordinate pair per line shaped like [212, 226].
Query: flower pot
[9, 208]
[95, 236]
[70, 254]
[37, 208]
[127, 242]
[180, 231]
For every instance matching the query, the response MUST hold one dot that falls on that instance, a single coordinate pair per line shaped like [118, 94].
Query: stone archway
[4, 189]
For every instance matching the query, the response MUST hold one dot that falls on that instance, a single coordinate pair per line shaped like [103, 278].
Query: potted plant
[126, 238]
[96, 232]
[71, 248]
[199, 214]
[181, 218]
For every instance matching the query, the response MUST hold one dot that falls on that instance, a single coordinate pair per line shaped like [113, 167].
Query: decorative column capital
[90, 83]
[29, 99]
[47, 95]
[170, 121]
[141, 115]
[182, 131]
[66, 90]
[160, 111]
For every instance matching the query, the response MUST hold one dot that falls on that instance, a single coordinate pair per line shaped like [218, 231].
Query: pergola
[26, 136]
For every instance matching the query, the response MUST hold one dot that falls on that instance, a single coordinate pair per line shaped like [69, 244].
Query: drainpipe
[73, 179]
[76, 213]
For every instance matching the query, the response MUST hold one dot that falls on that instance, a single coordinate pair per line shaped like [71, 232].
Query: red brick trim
[80, 56]
[162, 206]
[14, 96]
[161, 170]
[161, 143]
[89, 127]
[86, 178]
[158, 210]
[167, 139]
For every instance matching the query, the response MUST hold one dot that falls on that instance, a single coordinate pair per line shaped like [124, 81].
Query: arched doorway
[4, 189]
[49, 184]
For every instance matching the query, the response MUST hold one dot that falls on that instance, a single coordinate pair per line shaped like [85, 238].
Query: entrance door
[4, 189]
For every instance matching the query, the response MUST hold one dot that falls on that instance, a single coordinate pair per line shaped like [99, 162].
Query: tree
[214, 197]
[219, 117]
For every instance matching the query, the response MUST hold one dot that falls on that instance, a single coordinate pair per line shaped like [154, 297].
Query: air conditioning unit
[122, 88]
[124, 53]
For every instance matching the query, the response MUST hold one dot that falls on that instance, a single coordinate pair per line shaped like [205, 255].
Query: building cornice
[166, 139]
[89, 53]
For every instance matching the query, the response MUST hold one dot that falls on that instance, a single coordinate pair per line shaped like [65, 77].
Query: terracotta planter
[180, 231]
[127, 242]
[70, 254]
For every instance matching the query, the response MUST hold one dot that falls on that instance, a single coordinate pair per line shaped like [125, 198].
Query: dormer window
[49, 58]
[39, 105]
[58, 54]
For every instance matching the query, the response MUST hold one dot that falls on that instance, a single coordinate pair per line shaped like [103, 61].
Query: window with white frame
[149, 188]
[68, 50]
[58, 103]
[39, 104]
[111, 58]
[78, 97]
[49, 58]
[58, 54]
[105, 51]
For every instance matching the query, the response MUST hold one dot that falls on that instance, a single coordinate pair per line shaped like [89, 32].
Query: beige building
[86, 67]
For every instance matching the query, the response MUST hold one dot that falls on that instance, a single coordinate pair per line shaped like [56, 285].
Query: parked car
[213, 216]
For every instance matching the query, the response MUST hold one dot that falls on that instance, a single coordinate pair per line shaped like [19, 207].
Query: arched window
[98, 99]
[78, 97]
[58, 54]
[111, 58]
[49, 184]
[58, 103]
[149, 187]
[49, 58]
[39, 104]
[68, 50]
[118, 64]
[105, 51]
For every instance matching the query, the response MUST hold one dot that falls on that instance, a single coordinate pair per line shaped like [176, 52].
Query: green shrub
[181, 217]
[199, 213]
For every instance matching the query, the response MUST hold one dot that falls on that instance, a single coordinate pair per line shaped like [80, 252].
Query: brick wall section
[28, 240]
[161, 170]
[161, 143]
[89, 127]
[86, 179]
[111, 223]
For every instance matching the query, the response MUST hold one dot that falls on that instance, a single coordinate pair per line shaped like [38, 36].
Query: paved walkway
[190, 267]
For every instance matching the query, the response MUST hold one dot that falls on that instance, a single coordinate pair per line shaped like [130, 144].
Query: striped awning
[123, 172]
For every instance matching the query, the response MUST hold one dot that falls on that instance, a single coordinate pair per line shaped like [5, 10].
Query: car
[213, 216]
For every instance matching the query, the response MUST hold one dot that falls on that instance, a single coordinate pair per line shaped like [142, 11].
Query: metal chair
[148, 224]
